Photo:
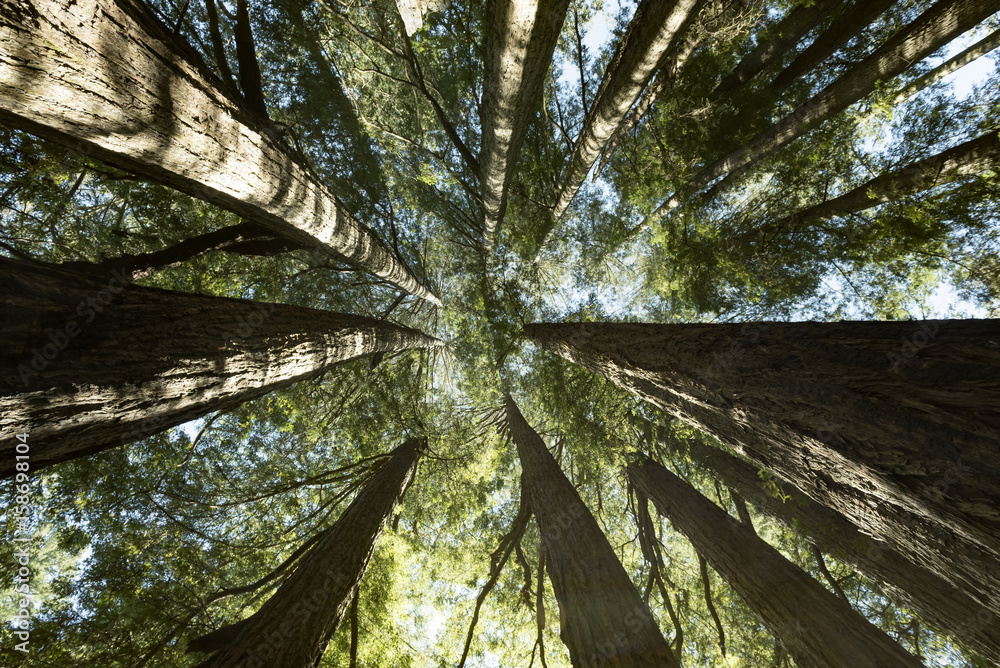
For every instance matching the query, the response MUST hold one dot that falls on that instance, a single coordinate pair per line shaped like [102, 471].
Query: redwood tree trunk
[894, 425]
[910, 585]
[784, 35]
[294, 626]
[819, 629]
[855, 19]
[106, 78]
[654, 28]
[605, 624]
[967, 159]
[953, 64]
[521, 36]
[242, 238]
[98, 362]
[937, 26]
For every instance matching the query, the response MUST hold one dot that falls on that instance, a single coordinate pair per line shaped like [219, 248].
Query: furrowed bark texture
[294, 626]
[606, 624]
[964, 160]
[894, 425]
[521, 36]
[106, 78]
[944, 21]
[91, 363]
[819, 629]
[655, 26]
[910, 585]
[781, 37]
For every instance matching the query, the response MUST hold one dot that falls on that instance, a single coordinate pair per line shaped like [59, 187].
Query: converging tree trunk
[855, 19]
[96, 362]
[937, 26]
[294, 626]
[819, 629]
[910, 585]
[605, 623]
[967, 159]
[781, 37]
[953, 64]
[106, 78]
[521, 36]
[654, 27]
[892, 424]
[714, 17]
[241, 239]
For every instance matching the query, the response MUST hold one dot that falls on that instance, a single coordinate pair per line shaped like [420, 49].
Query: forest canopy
[384, 199]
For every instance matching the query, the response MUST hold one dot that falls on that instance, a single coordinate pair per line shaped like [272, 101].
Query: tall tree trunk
[910, 585]
[892, 424]
[242, 239]
[716, 15]
[98, 362]
[967, 159]
[251, 81]
[953, 64]
[521, 36]
[105, 77]
[781, 37]
[653, 29]
[294, 626]
[855, 19]
[937, 26]
[819, 629]
[606, 623]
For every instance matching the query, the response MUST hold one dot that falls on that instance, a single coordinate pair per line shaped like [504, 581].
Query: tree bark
[967, 159]
[819, 629]
[242, 238]
[937, 26]
[98, 362]
[606, 624]
[953, 64]
[786, 34]
[106, 78]
[654, 28]
[892, 424]
[521, 36]
[910, 585]
[251, 81]
[855, 19]
[714, 17]
[294, 626]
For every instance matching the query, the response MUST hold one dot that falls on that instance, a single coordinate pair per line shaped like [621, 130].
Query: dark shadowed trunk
[606, 624]
[654, 28]
[894, 425]
[521, 36]
[294, 626]
[241, 239]
[781, 37]
[92, 362]
[910, 585]
[819, 629]
[855, 19]
[937, 26]
[108, 79]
